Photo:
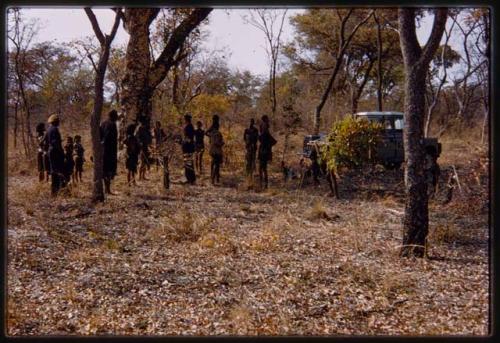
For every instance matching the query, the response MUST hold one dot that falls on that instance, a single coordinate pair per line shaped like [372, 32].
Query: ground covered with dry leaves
[204, 260]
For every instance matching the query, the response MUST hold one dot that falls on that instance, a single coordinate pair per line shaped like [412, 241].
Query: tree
[416, 63]
[20, 35]
[95, 120]
[270, 22]
[142, 75]
[446, 58]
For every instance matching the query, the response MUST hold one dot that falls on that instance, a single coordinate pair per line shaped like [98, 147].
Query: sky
[243, 44]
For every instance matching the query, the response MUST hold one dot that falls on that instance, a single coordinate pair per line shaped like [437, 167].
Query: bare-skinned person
[144, 137]
[69, 162]
[267, 142]
[42, 153]
[133, 149]
[109, 141]
[251, 137]
[215, 150]
[199, 146]
[188, 150]
[79, 153]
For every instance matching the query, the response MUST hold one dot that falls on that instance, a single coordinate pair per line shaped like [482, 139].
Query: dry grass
[207, 260]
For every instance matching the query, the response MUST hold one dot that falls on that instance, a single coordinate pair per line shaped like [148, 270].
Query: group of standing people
[65, 164]
[193, 147]
[264, 151]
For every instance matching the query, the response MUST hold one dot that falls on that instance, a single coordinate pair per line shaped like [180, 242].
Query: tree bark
[379, 63]
[142, 75]
[416, 63]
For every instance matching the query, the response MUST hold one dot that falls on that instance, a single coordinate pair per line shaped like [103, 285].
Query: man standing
[188, 150]
[42, 155]
[109, 141]
[250, 136]
[199, 146]
[56, 154]
[159, 136]
[144, 137]
[216, 144]
[267, 142]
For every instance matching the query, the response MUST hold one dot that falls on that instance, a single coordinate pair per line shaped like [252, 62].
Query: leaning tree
[416, 63]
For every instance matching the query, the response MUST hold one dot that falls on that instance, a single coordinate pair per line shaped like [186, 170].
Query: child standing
[132, 155]
[69, 163]
[79, 159]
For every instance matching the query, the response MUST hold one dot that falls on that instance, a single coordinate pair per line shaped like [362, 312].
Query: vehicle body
[390, 152]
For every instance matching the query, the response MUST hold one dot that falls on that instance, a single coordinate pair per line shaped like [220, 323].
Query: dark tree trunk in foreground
[95, 119]
[142, 75]
[416, 62]
[379, 63]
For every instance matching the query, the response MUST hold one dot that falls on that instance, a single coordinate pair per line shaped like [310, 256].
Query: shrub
[351, 143]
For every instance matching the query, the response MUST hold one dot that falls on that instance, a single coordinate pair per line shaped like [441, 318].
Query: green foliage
[351, 143]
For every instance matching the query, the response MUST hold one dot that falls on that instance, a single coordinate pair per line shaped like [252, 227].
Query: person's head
[69, 140]
[199, 125]
[252, 122]
[265, 119]
[54, 120]
[113, 115]
[40, 128]
[215, 119]
[130, 129]
[78, 139]
[187, 119]
[158, 124]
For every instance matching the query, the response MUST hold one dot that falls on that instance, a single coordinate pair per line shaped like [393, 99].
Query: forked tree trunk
[142, 75]
[416, 63]
[95, 119]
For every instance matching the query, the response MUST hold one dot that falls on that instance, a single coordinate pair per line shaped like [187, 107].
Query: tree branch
[95, 25]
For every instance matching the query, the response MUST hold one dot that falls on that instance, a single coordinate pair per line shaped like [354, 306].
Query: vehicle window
[398, 123]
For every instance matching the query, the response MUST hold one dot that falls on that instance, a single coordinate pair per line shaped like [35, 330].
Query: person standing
[199, 146]
[267, 142]
[215, 150]
[251, 137]
[42, 155]
[109, 141]
[79, 158]
[56, 154]
[159, 136]
[144, 137]
[69, 162]
[188, 150]
[132, 154]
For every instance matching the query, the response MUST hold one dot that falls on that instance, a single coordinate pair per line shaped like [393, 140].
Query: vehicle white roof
[378, 113]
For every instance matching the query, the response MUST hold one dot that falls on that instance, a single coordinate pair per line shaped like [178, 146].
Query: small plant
[318, 211]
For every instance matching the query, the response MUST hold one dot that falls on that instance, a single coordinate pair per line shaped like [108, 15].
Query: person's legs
[212, 170]
[55, 184]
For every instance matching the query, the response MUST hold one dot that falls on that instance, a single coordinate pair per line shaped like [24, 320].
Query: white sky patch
[242, 44]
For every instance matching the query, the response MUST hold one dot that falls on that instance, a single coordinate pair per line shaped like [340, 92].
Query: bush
[351, 143]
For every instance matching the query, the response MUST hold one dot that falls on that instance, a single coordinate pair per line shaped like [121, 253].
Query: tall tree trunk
[379, 64]
[95, 119]
[142, 75]
[16, 110]
[416, 63]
